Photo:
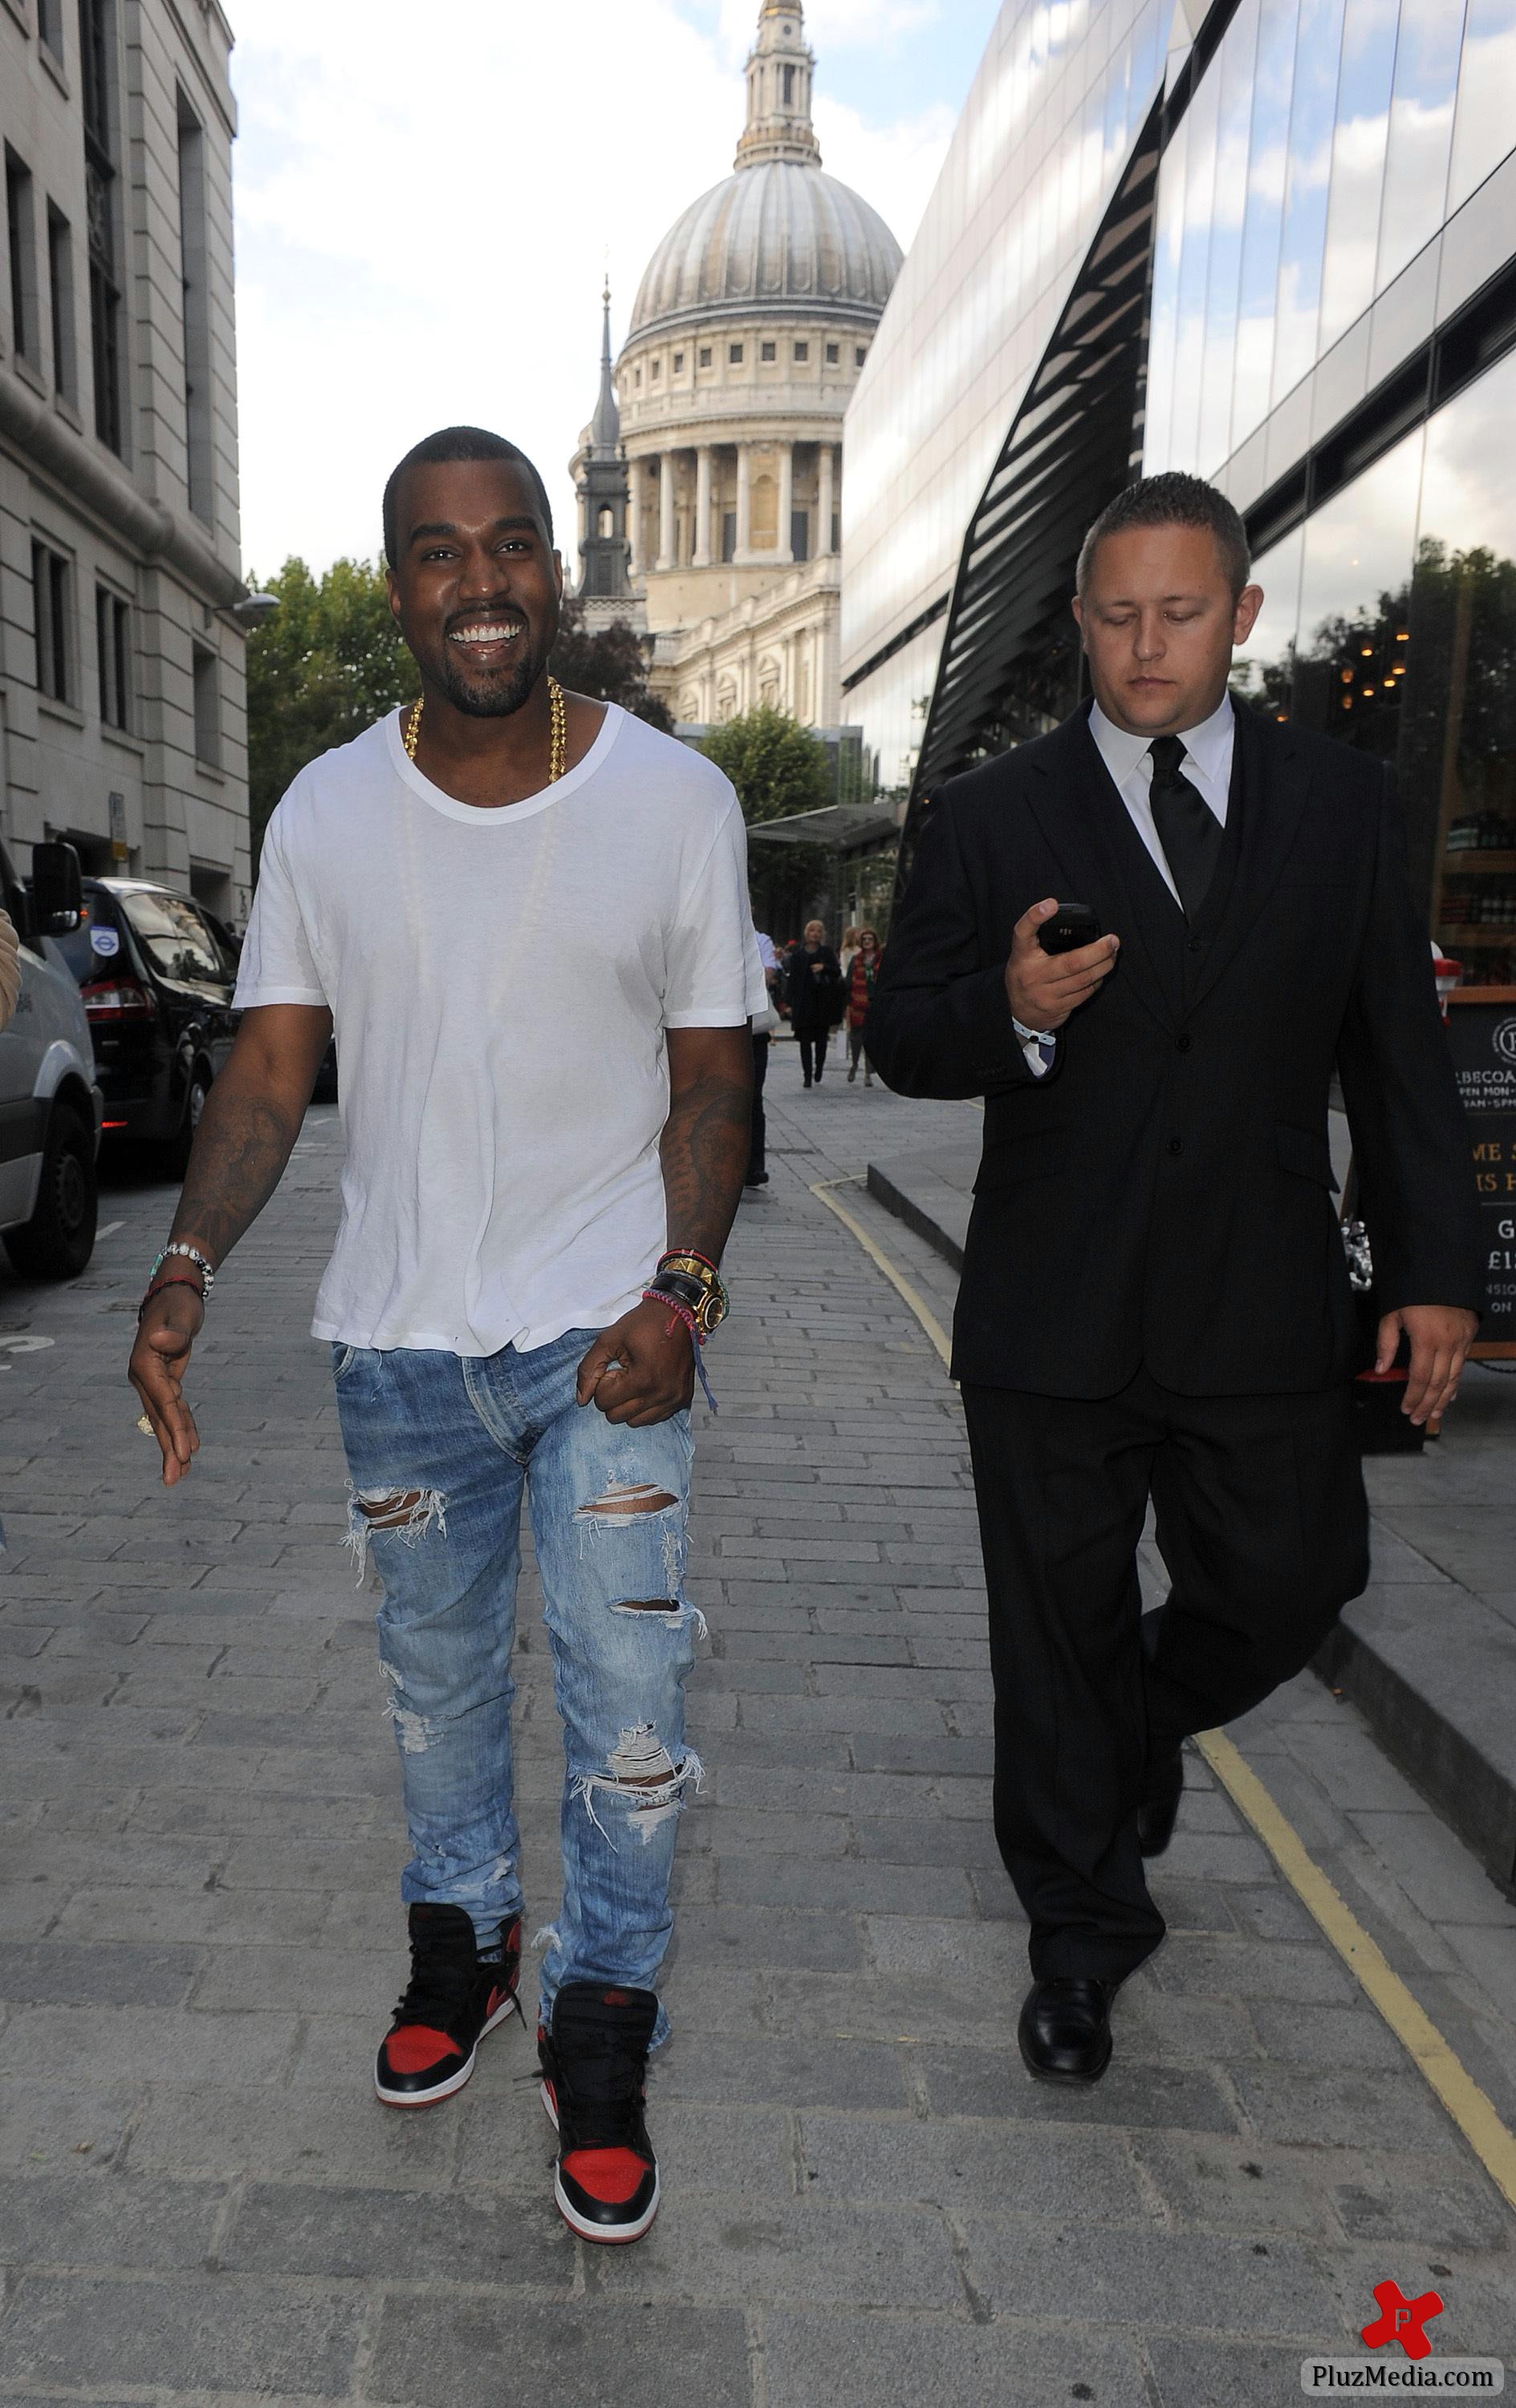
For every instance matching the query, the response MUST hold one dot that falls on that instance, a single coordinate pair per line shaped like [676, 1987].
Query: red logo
[1403, 2320]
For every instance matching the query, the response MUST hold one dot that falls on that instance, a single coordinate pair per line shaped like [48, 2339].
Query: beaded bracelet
[191, 1253]
[681, 1312]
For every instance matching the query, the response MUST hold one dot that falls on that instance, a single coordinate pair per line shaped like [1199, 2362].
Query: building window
[194, 269]
[861, 355]
[20, 235]
[734, 353]
[113, 653]
[834, 355]
[789, 87]
[60, 304]
[97, 32]
[49, 26]
[728, 537]
[800, 533]
[802, 351]
[704, 360]
[636, 379]
[768, 350]
[679, 363]
[50, 621]
[207, 708]
[656, 371]
[606, 523]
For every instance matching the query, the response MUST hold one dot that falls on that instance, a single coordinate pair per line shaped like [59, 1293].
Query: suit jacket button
[1176, 1145]
[1182, 1044]
[1196, 945]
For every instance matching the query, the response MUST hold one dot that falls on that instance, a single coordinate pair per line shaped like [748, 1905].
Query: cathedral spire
[606, 425]
[780, 70]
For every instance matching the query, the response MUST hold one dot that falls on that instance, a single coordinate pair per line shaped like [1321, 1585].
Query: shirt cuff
[1039, 1047]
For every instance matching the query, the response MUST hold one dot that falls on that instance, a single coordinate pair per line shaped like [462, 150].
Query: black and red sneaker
[595, 2069]
[451, 2002]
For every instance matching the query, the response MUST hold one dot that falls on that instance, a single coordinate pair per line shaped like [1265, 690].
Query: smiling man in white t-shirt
[526, 915]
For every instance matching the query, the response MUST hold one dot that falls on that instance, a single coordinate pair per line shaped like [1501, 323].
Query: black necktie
[1188, 828]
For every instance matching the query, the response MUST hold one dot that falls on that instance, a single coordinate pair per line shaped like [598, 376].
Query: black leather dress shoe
[1064, 2030]
[1159, 1811]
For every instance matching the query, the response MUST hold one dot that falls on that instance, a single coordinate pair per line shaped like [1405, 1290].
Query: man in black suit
[1155, 1299]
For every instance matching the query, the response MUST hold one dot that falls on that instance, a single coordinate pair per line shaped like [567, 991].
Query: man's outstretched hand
[160, 1358]
[642, 1369]
[1440, 1337]
[1045, 988]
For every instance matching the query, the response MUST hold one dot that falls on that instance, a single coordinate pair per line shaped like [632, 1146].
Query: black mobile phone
[1072, 924]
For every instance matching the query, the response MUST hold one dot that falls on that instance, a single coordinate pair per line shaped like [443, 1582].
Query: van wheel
[194, 1104]
[57, 1241]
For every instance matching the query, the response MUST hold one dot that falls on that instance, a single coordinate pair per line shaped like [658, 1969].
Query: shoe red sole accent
[455, 2081]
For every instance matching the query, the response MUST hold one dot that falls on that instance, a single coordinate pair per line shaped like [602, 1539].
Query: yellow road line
[1474, 2113]
[880, 1260]
[1471, 2110]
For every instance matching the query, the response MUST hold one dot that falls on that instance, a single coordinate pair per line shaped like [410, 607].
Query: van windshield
[174, 937]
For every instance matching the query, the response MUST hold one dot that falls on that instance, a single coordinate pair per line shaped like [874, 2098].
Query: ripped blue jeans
[439, 1449]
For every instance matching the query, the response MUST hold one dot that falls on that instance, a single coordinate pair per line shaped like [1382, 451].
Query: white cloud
[424, 212]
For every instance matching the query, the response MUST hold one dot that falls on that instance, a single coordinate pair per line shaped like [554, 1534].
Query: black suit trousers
[1263, 1526]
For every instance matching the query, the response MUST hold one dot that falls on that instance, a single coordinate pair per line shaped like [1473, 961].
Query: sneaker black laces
[444, 1969]
[600, 2068]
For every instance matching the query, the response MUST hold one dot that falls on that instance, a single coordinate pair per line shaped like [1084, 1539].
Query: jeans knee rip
[406, 1513]
[642, 1773]
[413, 1731]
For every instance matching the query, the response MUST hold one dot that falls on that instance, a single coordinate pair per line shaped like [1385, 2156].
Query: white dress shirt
[1208, 765]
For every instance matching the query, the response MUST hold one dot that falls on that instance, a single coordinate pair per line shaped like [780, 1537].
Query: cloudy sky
[427, 199]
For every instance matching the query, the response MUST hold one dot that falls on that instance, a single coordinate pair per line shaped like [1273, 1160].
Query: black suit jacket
[1164, 1197]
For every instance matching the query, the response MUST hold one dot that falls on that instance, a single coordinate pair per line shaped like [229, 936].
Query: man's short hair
[460, 443]
[1172, 500]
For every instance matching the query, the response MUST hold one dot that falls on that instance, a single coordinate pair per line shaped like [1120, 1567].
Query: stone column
[701, 558]
[827, 499]
[634, 518]
[786, 549]
[666, 556]
[744, 503]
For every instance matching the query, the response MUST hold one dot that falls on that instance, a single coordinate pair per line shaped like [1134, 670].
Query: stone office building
[122, 681]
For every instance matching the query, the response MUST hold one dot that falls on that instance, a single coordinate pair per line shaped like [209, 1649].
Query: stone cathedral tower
[600, 478]
[752, 321]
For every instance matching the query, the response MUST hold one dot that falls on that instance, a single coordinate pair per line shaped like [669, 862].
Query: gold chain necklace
[560, 730]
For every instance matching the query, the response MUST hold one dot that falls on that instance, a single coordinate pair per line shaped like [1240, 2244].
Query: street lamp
[251, 612]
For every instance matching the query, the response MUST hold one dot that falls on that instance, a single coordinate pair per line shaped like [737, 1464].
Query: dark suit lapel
[1275, 785]
[1089, 828]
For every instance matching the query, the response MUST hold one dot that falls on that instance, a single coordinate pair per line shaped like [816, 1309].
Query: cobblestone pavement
[867, 2201]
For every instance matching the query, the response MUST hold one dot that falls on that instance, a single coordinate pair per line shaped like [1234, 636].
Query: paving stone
[106, 2219]
[887, 2361]
[790, 2072]
[210, 2334]
[432, 2351]
[341, 2136]
[1034, 2169]
[1136, 2279]
[98, 1975]
[147, 2043]
[461, 2236]
[753, 2251]
[1227, 2374]
[1132, 2096]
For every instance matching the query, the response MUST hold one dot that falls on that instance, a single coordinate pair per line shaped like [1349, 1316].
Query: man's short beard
[501, 697]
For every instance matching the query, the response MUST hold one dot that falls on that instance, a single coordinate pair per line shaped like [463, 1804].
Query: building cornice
[800, 308]
[724, 433]
[90, 481]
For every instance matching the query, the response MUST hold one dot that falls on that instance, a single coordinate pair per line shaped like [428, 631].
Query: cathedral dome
[777, 232]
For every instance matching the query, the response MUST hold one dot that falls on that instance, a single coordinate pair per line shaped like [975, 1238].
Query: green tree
[778, 767]
[609, 665]
[320, 670]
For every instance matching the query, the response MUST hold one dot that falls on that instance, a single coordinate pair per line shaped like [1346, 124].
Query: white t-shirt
[500, 983]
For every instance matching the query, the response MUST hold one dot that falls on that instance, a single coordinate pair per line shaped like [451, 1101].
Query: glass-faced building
[1272, 242]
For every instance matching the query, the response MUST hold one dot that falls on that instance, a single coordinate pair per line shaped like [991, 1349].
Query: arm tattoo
[241, 1147]
[705, 1149]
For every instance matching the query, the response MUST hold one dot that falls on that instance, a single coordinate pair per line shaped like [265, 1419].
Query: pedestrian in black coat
[815, 996]
[1155, 1301]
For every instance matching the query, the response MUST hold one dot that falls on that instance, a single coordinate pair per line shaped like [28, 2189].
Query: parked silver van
[51, 1105]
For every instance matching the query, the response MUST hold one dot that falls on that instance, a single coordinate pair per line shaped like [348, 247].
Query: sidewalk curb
[1440, 1730]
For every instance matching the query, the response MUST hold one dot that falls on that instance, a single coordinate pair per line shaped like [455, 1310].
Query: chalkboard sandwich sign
[1482, 1032]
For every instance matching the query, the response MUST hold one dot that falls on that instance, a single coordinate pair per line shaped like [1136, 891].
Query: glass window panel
[1358, 148]
[1354, 595]
[1459, 761]
[1484, 130]
[1194, 261]
[1233, 72]
[1168, 251]
[1267, 153]
[1420, 129]
[1264, 670]
[1303, 245]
